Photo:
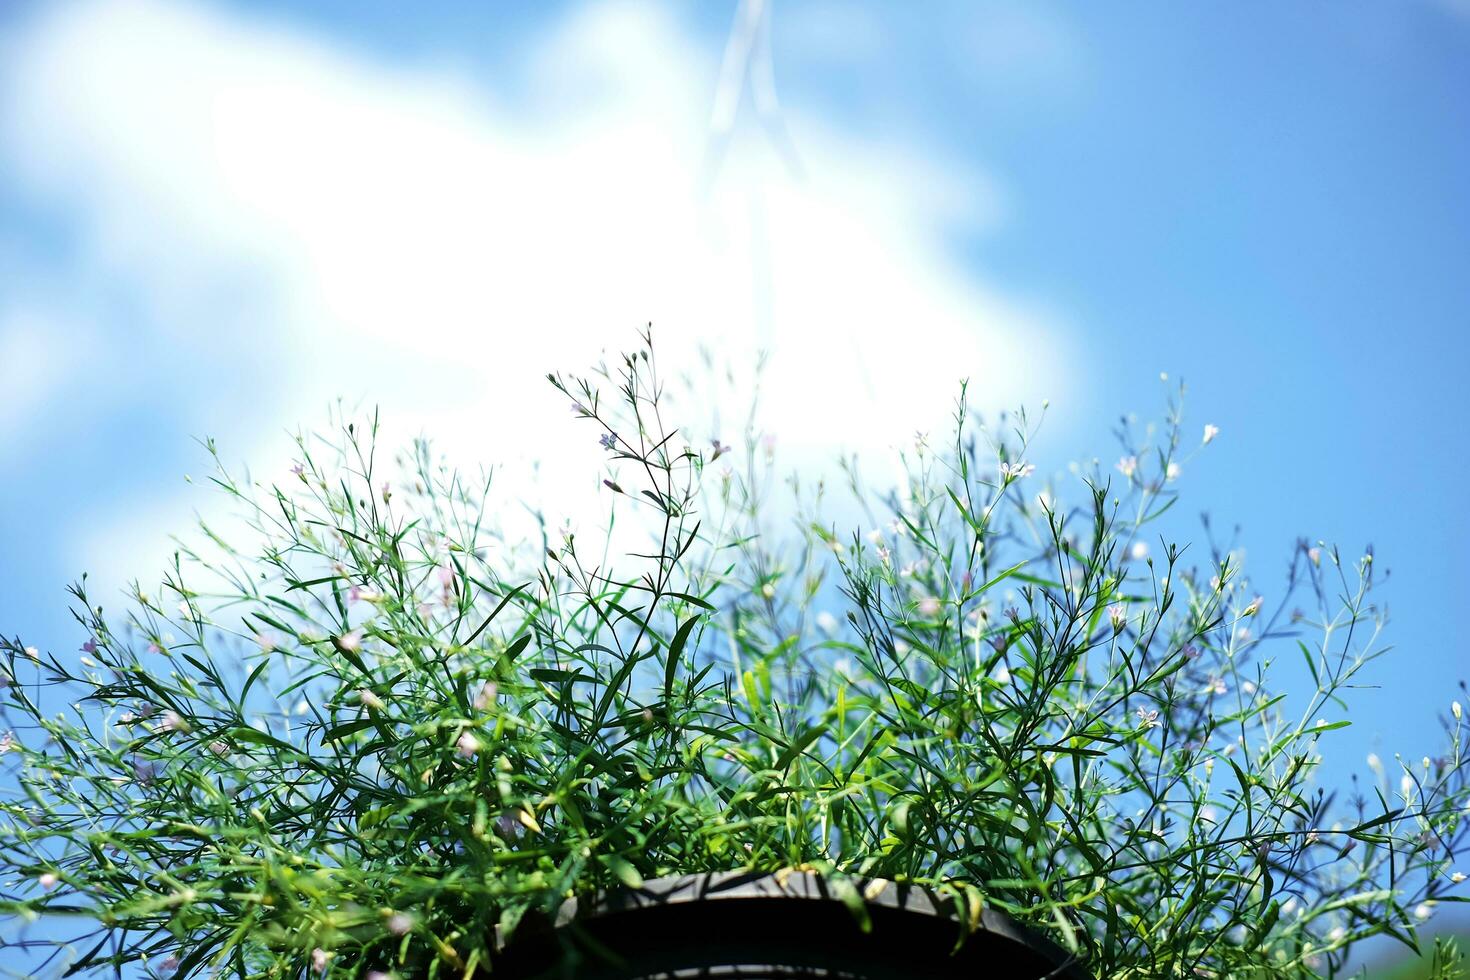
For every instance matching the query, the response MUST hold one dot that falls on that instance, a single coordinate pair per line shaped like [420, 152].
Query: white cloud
[413, 239]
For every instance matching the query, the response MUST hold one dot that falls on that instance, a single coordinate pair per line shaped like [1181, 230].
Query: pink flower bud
[467, 745]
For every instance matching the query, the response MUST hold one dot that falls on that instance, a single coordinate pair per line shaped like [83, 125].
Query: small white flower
[35, 654]
[467, 745]
[1003, 676]
[47, 881]
[219, 748]
[875, 536]
[1253, 608]
[319, 958]
[370, 700]
[826, 622]
[1118, 614]
[399, 923]
[1457, 877]
[1171, 472]
[1423, 911]
[929, 606]
[168, 965]
[1128, 465]
[1406, 784]
[1139, 551]
[1149, 717]
[1314, 555]
[1375, 763]
[1211, 431]
[1208, 814]
[7, 743]
[1016, 470]
[172, 721]
[1456, 710]
[883, 553]
[486, 697]
[351, 641]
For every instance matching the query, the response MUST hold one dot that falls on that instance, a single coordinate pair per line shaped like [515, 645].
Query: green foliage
[392, 725]
[1443, 962]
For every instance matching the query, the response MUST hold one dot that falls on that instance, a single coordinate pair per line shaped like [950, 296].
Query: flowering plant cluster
[371, 741]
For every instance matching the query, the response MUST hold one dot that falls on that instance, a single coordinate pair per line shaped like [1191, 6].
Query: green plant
[1444, 961]
[391, 727]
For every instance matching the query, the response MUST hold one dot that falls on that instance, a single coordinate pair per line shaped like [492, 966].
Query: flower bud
[174, 722]
[1118, 615]
[467, 745]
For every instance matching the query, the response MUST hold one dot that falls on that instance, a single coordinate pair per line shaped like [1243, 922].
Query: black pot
[746, 924]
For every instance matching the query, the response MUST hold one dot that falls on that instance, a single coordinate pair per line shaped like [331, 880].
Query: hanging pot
[757, 925]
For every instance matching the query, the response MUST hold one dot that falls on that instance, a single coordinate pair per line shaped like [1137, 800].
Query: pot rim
[808, 885]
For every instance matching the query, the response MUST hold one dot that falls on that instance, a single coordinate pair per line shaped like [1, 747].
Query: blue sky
[215, 218]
